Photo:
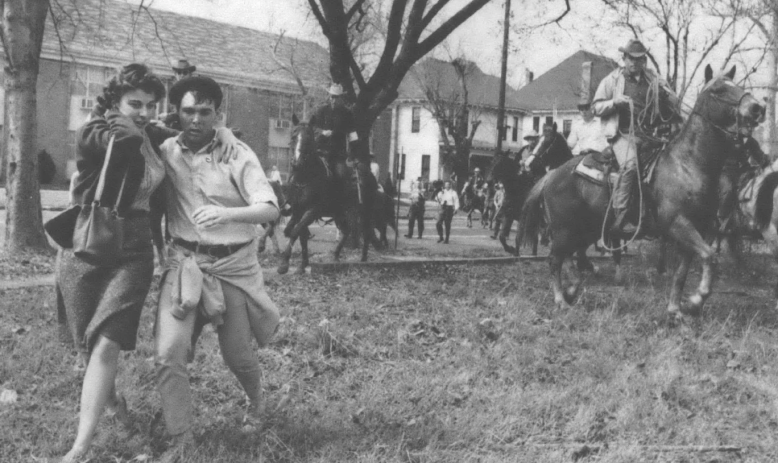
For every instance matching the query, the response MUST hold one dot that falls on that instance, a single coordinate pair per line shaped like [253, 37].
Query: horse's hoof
[571, 293]
[282, 269]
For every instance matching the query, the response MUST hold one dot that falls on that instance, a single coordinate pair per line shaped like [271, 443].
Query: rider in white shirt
[587, 134]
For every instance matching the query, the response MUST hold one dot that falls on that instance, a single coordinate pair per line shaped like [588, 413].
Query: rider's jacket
[746, 154]
[340, 121]
[614, 85]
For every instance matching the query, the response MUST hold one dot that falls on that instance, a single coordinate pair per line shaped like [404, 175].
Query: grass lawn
[444, 364]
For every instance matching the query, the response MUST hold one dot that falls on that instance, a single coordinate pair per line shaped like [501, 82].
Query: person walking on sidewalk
[416, 212]
[449, 204]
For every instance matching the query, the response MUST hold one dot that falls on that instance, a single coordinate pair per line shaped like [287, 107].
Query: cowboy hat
[336, 90]
[634, 48]
[532, 134]
[184, 67]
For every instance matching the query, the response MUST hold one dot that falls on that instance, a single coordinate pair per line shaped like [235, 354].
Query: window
[401, 174]
[425, 166]
[549, 120]
[415, 119]
[567, 127]
[536, 124]
[88, 82]
[515, 134]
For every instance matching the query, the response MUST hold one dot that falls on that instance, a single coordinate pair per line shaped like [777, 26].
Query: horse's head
[727, 105]
[302, 143]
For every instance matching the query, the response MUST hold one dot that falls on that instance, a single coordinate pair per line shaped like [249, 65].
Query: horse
[383, 217]
[474, 200]
[681, 194]
[313, 192]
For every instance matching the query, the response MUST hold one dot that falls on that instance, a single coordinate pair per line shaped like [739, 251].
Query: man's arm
[603, 104]
[572, 139]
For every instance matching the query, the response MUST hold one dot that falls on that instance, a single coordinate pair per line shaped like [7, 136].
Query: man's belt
[214, 250]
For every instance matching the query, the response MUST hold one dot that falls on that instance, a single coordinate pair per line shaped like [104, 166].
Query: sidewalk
[51, 200]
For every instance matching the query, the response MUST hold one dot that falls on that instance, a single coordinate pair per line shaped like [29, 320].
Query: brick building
[103, 35]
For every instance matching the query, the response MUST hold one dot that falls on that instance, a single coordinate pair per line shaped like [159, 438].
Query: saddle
[598, 167]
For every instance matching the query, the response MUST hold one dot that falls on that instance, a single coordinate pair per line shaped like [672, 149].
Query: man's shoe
[446, 241]
[419, 236]
[494, 237]
[408, 236]
[440, 240]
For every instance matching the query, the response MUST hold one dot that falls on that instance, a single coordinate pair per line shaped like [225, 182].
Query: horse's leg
[341, 223]
[688, 237]
[304, 235]
[583, 262]
[367, 230]
[283, 267]
[274, 237]
[555, 262]
[297, 227]
[619, 274]
[679, 280]
[470, 218]
[263, 237]
[507, 224]
[661, 264]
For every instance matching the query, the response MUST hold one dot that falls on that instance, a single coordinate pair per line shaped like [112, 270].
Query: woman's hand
[230, 145]
[210, 215]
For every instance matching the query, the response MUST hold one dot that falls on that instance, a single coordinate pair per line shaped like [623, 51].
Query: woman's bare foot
[75, 455]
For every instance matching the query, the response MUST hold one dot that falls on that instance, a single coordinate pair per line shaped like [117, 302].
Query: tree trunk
[772, 78]
[23, 24]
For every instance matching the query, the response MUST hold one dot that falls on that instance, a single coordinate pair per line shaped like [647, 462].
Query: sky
[480, 37]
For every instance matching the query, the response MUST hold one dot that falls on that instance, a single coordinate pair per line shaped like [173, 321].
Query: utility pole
[503, 77]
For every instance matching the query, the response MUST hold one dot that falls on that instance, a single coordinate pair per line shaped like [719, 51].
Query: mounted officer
[747, 157]
[633, 104]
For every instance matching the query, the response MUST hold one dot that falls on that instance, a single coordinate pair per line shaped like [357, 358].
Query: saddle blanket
[593, 167]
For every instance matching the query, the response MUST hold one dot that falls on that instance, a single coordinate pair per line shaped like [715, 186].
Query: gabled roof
[561, 85]
[483, 89]
[114, 33]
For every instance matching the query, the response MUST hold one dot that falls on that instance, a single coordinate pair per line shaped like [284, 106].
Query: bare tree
[409, 35]
[450, 103]
[691, 31]
[764, 15]
[22, 37]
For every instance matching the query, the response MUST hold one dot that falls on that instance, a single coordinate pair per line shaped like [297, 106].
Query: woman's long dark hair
[134, 76]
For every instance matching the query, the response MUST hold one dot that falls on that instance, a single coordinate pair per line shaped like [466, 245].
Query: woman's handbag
[99, 231]
[60, 227]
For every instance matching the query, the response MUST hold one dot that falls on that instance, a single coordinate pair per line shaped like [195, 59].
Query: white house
[554, 96]
[415, 136]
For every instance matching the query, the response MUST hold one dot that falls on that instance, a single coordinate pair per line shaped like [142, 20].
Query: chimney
[586, 83]
[529, 76]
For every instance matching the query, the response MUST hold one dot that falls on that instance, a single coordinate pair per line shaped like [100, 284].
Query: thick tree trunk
[23, 23]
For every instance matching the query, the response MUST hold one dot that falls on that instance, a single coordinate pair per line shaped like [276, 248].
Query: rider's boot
[622, 198]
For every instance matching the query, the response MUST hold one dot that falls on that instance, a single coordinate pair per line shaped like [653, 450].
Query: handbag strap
[101, 181]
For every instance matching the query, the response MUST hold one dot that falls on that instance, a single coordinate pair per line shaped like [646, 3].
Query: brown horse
[681, 195]
[313, 193]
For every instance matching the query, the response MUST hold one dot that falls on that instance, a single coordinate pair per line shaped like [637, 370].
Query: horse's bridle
[733, 107]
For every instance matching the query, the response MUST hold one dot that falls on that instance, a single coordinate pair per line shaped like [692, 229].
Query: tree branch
[320, 17]
[432, 12]
[357, 6]
[452, 23]
[394, 28]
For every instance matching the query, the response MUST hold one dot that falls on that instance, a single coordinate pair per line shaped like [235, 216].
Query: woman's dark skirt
[107, 300]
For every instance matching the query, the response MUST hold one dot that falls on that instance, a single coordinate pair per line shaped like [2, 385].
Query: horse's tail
[764, 201]
[531, 215]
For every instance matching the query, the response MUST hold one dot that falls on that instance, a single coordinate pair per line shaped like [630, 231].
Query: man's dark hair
[134, 76]
[204, 89]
